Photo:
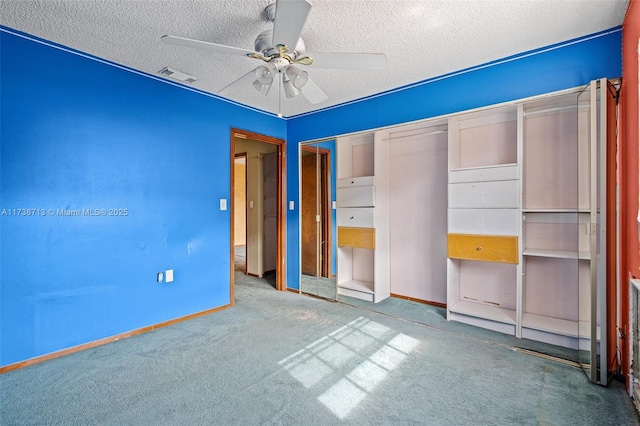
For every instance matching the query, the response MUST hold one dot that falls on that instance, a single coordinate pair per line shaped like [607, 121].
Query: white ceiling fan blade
[244, 81]
[313, 93]
[198, 44]
[349, 61]
[291, 16]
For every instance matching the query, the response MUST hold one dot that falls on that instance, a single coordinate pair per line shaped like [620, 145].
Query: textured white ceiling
[421, 38]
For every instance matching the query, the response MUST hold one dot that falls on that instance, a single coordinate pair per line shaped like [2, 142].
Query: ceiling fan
[283, 53]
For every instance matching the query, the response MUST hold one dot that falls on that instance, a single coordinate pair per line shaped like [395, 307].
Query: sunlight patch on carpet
[327, 364]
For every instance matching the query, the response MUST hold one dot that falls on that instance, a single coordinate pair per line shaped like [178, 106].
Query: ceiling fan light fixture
[264, 73]
[262, 87]
[297, 76]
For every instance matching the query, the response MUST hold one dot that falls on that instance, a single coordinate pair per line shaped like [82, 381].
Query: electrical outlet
[160, 277]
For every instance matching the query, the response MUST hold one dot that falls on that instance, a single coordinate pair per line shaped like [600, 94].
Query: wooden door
[324, 181]
[310, 236]
[240, 200]
[270, 210]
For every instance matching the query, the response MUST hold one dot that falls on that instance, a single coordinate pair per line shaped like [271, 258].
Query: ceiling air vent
[177, 75]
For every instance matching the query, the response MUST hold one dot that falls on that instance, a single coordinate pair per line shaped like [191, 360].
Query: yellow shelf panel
[357, 237]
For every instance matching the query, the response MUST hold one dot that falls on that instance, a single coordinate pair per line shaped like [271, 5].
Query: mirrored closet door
[317, 263]
[597, 135]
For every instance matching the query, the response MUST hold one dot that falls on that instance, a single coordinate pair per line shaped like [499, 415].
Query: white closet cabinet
[483, 219]
[361, 218]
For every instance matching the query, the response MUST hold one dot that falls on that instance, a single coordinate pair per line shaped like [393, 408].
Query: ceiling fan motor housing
[264, 45]
[280, 63]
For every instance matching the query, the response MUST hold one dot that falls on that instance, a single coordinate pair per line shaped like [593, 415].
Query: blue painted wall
[81, 134]
[550, 69]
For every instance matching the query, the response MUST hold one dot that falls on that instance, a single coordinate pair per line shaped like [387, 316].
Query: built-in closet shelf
[493, 313]
[358, 289]
[560, 254]
[490, 166]
[362, 286]
[554, 211]
[578, 329]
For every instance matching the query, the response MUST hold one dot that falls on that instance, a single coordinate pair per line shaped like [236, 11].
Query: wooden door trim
[281, 268]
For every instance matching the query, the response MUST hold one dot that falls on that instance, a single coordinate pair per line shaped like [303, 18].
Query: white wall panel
[418, 216]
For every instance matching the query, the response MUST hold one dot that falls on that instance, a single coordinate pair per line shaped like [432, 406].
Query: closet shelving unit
[557, 222]
[361, 218]
[525, 234]
[483, 219]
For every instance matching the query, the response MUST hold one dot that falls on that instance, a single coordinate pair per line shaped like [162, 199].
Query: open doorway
[240, 212]
[258, 207]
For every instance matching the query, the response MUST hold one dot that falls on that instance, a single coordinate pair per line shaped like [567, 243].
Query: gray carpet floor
[283, 358]
[426, 315]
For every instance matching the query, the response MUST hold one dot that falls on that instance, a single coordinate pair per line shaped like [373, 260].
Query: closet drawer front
[489, 248]
[356, 181]
[499, 194]
[358, 196]
[358, 217]
[484, 174]
[484, 221]
[357, 237]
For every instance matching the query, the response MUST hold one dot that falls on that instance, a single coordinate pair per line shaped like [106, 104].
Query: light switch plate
[223, 204]
[291, 205]
[168, 275]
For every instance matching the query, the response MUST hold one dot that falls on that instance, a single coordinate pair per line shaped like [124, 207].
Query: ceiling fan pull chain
[279, 96]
